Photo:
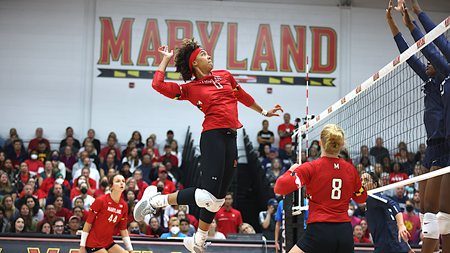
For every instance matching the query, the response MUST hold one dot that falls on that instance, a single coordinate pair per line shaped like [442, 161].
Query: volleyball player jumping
[104, 214]
[331, 182]
[215, 93]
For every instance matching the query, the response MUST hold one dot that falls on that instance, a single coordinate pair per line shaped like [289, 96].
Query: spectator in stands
[402, 156]
[6, 188]
[174, 229]
[412, 221]
[167, 141]
[37, 193]
[56, 163]
[188, 230]
[408, 166]
[70, 142]
[2, 160]
[228, 218]
[17, 154]
[365, 229]
[89, 171]
[18, 225]
[110, 163]
[131, 185]
[267, 219]
[416, 199]
[365, 162]
[61, 211]
[378, 170]
[36, 213]
[2, 143]
[9, 170]
[400, 197]
[92, 155]
[385, 181]
[27, 192]
[351, 210]
[74, 225]
[4, 223]
[313, 154]
[168, 155]
[387, 166]
[95, 142]
[131, 145]
[102, 187]
[378, 151]
[169, 186]
[265, 137]
[11, 211]
[22, 177]
[58, 226]
[360, 168]
[246, 228]
[79, 211]
[145, 168]
[49, 215]
[150, 146]
[44, 152]
[155, 228]
[185, 227]
[141, 184]
[69, 133]
[422, 149]
[137, 138]
[174, 150]
[285, 131]
[88, 199]
[46, 228]
[343, 153]
[57, 190]
[30, 224]
[286, 155]
[365, 153]
[34, 165]
[48, 170]
[397, 174]
[129, 195]
[34, 142]
[69, 160]
[117, 145]
[9, 143]
[133, 228]
[358, 236]
[125, 170]
[133, 159]
[192, 220]
[110, 145]
[275, 171]
[213, 233]
[267, 163]
[174, 174]
[265, 154]
[401, 145]
[50, 181]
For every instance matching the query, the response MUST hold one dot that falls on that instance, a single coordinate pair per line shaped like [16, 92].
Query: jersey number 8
[110, 219]
[336, 184]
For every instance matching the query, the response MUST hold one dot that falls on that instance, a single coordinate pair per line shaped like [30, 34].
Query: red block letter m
[117, 46]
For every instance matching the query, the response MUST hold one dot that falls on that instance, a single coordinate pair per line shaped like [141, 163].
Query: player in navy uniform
[385, 220]
[105, 213]
[330, 182]
[216, 94]
[436, 155]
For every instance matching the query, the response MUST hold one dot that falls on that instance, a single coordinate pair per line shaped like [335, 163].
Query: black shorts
[92, 250]
[329, 237]
[436, 154]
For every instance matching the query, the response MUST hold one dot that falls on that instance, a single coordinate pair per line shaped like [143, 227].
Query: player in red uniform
[216, 94]
[105, 213]
[331, 182]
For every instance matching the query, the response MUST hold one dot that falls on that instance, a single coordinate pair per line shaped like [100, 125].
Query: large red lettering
[174, 40]
[317, 35]
[209, 41]
[232, 63]
[264, 50]
[150, 44]
[117, 46]
[290, 48]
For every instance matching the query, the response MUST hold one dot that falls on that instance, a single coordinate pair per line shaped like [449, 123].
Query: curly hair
[182, 55]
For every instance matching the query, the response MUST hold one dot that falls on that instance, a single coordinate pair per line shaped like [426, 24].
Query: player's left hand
[400, 5]
[273, 110]
[403, 233]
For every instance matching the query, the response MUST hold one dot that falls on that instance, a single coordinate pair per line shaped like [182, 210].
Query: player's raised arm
[168, 89]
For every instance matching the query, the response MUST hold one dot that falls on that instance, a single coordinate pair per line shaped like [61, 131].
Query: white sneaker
[143, 207]
[190, 244]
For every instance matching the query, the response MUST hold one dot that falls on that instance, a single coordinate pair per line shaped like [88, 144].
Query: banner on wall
[255, 48]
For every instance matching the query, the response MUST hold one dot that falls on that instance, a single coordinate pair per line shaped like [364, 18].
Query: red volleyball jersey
[330, 182]
[104, 215]
[215, 95]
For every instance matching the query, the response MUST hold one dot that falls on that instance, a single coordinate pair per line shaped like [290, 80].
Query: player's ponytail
[332, 137]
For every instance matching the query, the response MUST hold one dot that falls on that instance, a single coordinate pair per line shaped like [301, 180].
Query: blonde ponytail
[332, 137]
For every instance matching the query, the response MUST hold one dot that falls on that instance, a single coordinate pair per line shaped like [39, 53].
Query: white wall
[49, 51]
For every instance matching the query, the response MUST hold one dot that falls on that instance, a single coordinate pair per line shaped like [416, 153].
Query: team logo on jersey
[396, 61]
[376, 76]
[343, 101]
[177, 96]
[420, 43]
[330, 110]
[199, 104]
[114, 210]
[447, 21]
[336, 166]
[236, 88]
[358, 89]
[120, 206]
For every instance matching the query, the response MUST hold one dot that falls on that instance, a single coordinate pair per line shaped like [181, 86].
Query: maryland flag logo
[447, 21]
[360, 192]
[318, 118]
[396, 61]
[420, 43]
[358, 89]
[199, 105]
[330, 110]
[177, 96]
[376, 76]
[343, 101]
[236, 88]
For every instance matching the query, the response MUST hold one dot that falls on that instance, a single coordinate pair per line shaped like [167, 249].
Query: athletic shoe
[143, 207]
[190, 244]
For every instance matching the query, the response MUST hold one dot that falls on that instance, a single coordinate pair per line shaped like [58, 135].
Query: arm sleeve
[239, 93]
[441, 42]
[359, 194]
[123, 222]
[413, 61]
[168, 89]
[290, 182]
[432, 54]
[279, 214]
[93, 210]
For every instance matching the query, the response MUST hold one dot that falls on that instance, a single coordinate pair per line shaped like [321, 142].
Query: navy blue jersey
[380, 215]
[433, 117]
[441, 42]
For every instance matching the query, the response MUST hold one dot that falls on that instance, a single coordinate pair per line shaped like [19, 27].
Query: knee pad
[205, 199]
[444, 223]
[430, 226]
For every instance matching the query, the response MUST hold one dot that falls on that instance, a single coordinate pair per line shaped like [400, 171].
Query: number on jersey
[111, 218]
[336, 184]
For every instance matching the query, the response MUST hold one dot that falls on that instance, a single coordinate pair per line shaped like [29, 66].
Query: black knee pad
[186, 196]
[206, 216]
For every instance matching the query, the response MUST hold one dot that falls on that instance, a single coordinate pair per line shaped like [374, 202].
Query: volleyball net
[388, 105]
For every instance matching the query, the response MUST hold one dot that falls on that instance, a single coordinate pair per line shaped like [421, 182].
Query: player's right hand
[389, 11]
[403, 233]
[277, 246]
[82, 250]
[164, 50]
